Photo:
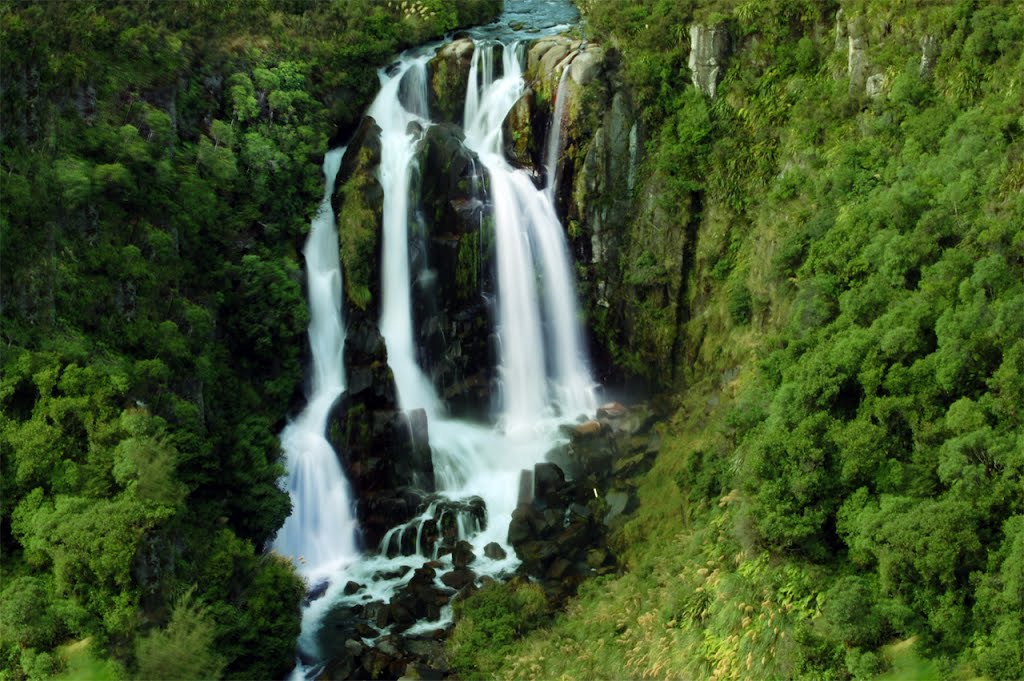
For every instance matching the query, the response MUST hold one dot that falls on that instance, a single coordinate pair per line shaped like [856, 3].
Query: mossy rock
[358, 203]
[448, 78]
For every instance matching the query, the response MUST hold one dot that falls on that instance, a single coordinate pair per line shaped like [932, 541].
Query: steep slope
[160, 169]
[821, 260]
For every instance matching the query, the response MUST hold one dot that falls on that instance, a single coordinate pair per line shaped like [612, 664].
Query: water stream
[319, 535]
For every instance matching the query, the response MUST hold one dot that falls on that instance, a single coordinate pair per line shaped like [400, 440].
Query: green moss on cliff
[359, 226]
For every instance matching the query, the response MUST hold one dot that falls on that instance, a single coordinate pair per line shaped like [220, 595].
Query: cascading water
[527, 231]
[544, 378]
[554, 145]
[319, 535]
[399, 110]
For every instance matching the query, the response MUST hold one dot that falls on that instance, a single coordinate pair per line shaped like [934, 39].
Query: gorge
[523, 339]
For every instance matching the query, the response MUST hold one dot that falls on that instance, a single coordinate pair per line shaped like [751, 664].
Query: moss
[467, 268]
[359, 224]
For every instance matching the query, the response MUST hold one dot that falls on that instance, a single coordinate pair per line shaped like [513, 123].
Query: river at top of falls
[544, 380]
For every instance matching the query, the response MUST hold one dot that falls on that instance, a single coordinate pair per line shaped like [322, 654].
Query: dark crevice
[685, 270]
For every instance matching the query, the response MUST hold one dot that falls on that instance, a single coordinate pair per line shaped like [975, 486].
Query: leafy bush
[490, 620]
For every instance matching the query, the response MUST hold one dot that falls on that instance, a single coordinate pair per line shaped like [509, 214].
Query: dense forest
[840, 492]
[821, 272]
[159, 174]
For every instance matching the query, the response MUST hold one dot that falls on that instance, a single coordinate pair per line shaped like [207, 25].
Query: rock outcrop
[384, 452]
[358, 202]
[709, 50]
[568, 504]
[448, 77]
[453, 271]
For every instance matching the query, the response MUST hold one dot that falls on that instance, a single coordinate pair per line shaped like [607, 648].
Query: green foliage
[358, 231]
[849, 348]
[184, 649]
[490, 620]
[159, 173]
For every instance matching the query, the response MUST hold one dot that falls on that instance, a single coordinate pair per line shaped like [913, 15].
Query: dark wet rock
[548, 484]
[526, 522]
[317, 591]
[558, 569]
[337, 626]
[494, 551]
[397, 573]
[339, 668]
[365, 630]
[458, 579]
[384, 452]
[352, 587]
[452, 266]
[463, 555]
[419, 599]
[377, 612]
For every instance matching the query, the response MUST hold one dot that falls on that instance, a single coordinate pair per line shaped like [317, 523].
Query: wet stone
[494, 551]
[463, 554]
[457, 579]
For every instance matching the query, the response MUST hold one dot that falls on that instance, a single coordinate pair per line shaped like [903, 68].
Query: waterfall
[543, 367]
[554, 145]
[398, 110]
[319, 535]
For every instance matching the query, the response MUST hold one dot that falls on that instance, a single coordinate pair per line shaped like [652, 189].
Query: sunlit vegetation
[159, 171]
[840, 494]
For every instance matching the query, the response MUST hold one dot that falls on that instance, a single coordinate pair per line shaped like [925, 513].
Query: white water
[544, 379]
[319, 535]
[554, 146]
[542, 374]
[401, 128]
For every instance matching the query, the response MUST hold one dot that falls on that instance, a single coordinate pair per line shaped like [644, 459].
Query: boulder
[418, 599]
[586, 430]
[494, 551]
[316, 592]
[611, 410]
[548, 481]
[458, 579]
[586, 66]
[539, 49]
[462, 554]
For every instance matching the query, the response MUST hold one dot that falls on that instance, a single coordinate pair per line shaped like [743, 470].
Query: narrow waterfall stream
[319, 535]
[543, 379]
[554, 145]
